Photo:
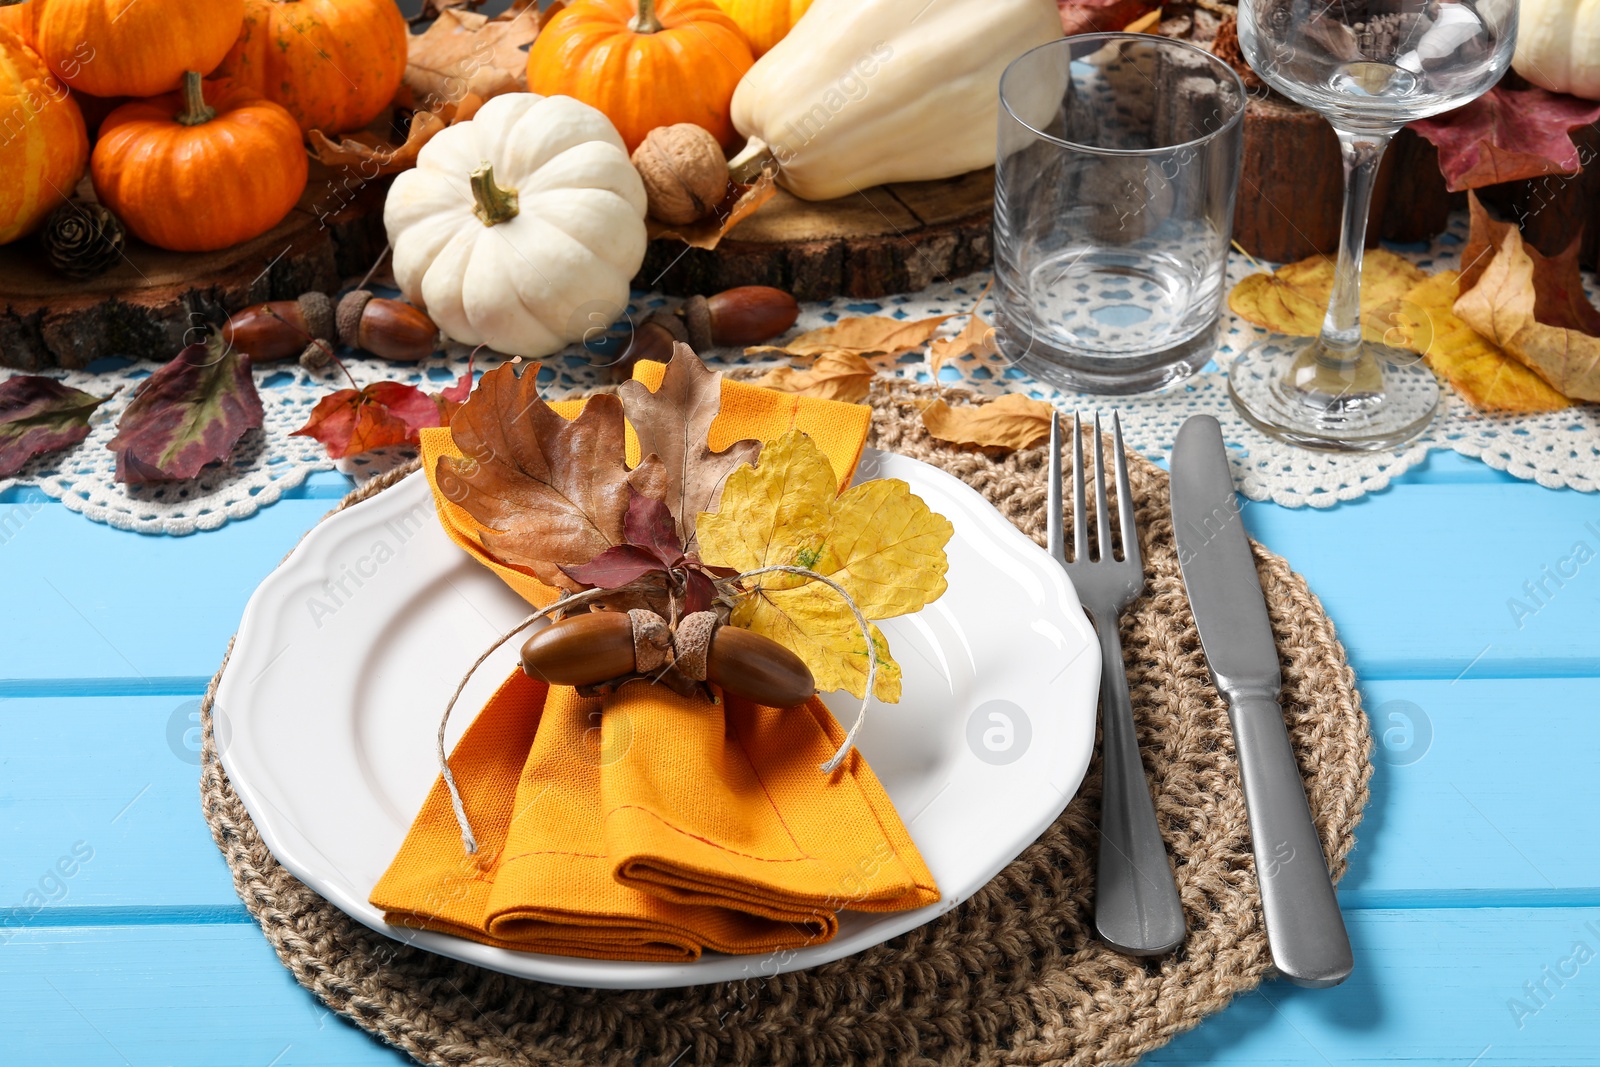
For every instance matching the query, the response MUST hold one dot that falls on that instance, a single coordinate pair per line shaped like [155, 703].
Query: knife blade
[1305, 931]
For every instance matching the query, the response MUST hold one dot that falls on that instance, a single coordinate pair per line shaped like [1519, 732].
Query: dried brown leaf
[466, 54]
[552, 493]
[867, 335]
[833, 376]
[741, 202]
[975, 339]
[370, 153]
[1007, 422]
[674, 424]
[1559, 299]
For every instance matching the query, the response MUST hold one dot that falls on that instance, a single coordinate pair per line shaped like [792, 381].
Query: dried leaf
[464, 53]
[740, 203]
[1097, 16]
[189, 413]
[1008, 422]
[1294, 298]
[841, 376]
[868, 336]
[370, 153]
[1559, 299]
[1480, 371]
[1507, 135]
[351, 421]
[975, 339]
[552, 493]
[39, 415]
[614, 568]
[882, 544]
[674, 424]
[1503, 306]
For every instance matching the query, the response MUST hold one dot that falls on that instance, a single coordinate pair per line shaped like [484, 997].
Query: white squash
[863, 92]
[520, 228]
[1558, 46]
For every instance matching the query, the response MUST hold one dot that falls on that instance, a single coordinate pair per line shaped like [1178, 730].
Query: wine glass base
[1376, 398]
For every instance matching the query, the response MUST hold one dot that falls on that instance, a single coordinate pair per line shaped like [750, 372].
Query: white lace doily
[1557, 449]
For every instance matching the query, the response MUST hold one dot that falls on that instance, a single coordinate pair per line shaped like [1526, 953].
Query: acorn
[586, 650]
[280, 329]
[392, 329]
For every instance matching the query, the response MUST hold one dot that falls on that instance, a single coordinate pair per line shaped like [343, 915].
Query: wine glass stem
[1341, 327]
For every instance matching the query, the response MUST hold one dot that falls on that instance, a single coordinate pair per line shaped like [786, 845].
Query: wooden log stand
[154, 302]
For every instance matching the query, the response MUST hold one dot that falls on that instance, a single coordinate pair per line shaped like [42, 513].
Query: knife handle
[1304, 928]
[1136, 906]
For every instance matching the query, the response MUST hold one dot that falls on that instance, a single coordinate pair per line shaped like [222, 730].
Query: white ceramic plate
[348, 652]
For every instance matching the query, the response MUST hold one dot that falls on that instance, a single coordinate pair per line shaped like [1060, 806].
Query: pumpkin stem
[195, 109]
[494, 204]
[646, 21]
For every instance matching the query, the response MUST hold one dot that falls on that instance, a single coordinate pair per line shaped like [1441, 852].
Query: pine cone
[83, 239]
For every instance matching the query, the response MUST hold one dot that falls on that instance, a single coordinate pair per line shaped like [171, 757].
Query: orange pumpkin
[764, 22]
[23, 20]
[335, 64]
[43, 145]
[194, 174]
[657, 64]
[135, 47]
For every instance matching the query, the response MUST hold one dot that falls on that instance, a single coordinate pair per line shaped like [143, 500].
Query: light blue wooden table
[1473, 897]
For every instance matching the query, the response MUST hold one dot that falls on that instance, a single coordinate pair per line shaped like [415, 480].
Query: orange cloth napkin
[645, 825]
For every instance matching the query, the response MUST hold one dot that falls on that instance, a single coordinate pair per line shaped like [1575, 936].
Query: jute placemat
[1013, 976]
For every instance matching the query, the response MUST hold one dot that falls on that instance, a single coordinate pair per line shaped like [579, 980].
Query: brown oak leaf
[551, 493]
[674, 424]
[464, 53]
[871, 336]
[842, 376]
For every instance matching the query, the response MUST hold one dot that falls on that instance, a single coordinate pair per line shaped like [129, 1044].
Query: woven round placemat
[1013, 976]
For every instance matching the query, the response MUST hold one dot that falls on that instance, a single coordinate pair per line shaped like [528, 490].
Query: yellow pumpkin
[43, 145]
[333, 64]
[764, 22]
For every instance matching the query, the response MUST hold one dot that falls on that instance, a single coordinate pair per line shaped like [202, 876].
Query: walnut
[684, 171]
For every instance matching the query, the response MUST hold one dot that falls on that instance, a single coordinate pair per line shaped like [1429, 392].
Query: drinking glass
[1369, 67]
[1118, 158]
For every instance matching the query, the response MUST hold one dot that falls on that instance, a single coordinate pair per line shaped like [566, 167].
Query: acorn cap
[318, 311]
[697, 317]
[351, 305]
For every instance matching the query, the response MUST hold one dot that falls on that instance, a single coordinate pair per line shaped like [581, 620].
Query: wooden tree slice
[155, 301]
[887, 239]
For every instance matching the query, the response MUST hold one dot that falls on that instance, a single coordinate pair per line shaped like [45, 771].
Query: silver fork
[1136, 906]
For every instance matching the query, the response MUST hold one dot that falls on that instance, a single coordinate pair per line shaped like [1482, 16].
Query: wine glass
[1369, 67]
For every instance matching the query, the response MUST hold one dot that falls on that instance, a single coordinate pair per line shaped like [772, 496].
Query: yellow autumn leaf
[1479, 369]
[1007, 422]
[841, 376]
[1502, 307]
[877, 540]
[975, 339]
[1294, 298]
[867, 335]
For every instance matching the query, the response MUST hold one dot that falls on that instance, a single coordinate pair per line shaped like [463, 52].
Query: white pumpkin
[863, 92]
[520, 228]
[1558, 46]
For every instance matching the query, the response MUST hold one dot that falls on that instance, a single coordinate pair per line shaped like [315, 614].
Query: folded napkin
[645, 825]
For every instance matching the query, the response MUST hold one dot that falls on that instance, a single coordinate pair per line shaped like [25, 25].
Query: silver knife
[1304, 928]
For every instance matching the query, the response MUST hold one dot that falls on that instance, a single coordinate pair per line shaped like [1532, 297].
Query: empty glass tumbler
[1117, 167]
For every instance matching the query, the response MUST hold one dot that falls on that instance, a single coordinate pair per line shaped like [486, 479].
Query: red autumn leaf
[616, 567]
[186, 415]
[39, 415]
[1507, 135]
[1093, 16]
[351, 421]
[649, 524]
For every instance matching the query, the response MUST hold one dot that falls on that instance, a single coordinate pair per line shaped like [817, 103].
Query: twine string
[469, 840]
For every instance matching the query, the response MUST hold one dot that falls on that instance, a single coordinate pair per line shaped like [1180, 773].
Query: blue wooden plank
[1445, 581]
[1509, 987]
[1465, 810]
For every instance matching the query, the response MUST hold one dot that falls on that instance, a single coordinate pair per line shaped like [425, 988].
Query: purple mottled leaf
[649, 525]
[698, 591]
[615, 567]
[39, 415]
[186, 415]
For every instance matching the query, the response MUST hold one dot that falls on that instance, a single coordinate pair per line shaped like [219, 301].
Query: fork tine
[1102, 511]
[1080, 529]
[1053, 518]
[1130, 532]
